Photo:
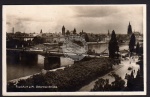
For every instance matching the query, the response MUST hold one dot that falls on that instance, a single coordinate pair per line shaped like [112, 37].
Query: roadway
[121, 70]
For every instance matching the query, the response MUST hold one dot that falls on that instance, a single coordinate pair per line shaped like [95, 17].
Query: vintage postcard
[74, 50]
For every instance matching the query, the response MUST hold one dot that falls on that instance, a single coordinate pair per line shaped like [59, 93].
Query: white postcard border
[4, 73]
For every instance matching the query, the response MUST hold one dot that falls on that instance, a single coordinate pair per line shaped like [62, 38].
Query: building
[63, 30]
[41, 31]
[129, 29]
[107, 37]
[13, 30]
[138, 36]
[74, 31]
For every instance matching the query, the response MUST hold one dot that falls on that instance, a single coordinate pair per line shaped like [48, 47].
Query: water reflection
[98, 48]
[21, 67]
[40, 61]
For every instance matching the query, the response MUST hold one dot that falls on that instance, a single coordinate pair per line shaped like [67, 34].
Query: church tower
[41, 31]
[74, 31]
[63, 30]
[129, 29]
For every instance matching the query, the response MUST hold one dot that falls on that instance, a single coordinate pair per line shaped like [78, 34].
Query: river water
[17, 70]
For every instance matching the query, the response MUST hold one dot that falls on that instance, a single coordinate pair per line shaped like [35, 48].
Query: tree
[132, 43]
[113, 46]
[80, 33]
[130, 81]
[38, 40]
[103, 84]
[138, 74]
[118, 84]
[137, 48]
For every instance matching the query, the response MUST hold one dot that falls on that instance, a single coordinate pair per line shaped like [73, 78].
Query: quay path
[26, 77]
[120, 69]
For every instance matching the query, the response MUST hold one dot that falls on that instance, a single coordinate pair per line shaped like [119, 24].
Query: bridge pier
[51, 62]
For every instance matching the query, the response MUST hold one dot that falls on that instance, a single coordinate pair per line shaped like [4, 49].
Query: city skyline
[91, 19]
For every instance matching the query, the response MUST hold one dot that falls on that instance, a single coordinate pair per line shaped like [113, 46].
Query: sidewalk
[120, 69]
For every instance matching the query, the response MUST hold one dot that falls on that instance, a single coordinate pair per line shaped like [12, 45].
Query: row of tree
[103, 84]
[133, 84]
[113, 46]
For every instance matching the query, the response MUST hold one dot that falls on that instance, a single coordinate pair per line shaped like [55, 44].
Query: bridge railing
[57, 52]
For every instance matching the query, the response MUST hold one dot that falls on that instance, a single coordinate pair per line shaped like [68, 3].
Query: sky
[91, 19]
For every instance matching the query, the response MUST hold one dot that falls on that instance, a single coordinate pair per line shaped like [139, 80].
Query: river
[21, 69]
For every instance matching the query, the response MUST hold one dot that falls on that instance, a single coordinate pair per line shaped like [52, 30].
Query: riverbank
[71, 78]
[121, 70]
[26, 77]
[106, 42]
[101, 42]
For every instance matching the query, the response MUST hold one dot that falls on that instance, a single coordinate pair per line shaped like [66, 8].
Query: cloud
[97, 11]
[96, 19]
[8, 23]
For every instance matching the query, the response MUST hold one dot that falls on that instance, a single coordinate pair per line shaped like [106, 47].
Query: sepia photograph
[74, 50]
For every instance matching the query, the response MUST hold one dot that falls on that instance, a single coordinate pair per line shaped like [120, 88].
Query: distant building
[129, 29]
[58, 39]
[13, 30]
[107, 38]
[10, 36]
[34, 34]
[74, 31]
[139, 36]
[68, 32]
[63, 30]
[122, 38]
[48, 37]
[41, 31]
[21, 36]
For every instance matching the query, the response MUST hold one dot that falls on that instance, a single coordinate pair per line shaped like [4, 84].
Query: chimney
[13, 31]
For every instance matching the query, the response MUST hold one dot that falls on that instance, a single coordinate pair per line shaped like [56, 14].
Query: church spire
[129, 29]
[108, 32]
[13, 30]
